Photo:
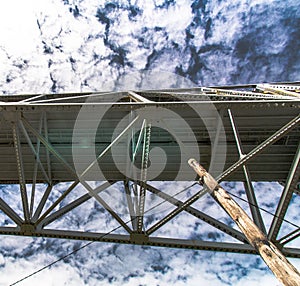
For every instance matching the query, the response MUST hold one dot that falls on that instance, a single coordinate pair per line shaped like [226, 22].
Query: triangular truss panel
[121, 149]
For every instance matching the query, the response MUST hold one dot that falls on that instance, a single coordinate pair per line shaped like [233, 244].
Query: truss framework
[31, 152]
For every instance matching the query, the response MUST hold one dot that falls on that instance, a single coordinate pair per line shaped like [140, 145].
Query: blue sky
[74, 46]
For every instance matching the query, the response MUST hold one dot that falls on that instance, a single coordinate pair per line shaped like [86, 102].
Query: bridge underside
[100, 142]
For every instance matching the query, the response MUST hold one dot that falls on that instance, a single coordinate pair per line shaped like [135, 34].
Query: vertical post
[285, 272]
[142, 194]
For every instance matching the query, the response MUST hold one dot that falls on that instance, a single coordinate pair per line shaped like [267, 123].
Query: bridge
[131, 140]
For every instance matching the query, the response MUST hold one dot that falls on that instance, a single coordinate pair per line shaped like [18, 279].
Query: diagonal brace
[10, 212]
[20, 168]
[67, 208]
[273, 138]
[206, 218]
[256, 215]
[286, 196]
[73, 172]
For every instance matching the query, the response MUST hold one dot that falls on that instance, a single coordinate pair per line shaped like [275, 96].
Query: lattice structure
[256, 125]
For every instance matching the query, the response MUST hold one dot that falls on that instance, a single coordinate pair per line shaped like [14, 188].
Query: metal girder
[151, 241]
[137, 97]
[141, 208]
[35, 153]
[289, 237]
[29, 99]
[275, 89]
[74, 204]
[115, 141]
[291, 252]
[106, 206]
[138, 143]
[269, 141]
[10, 212]
[142, 190]
[290, 185]
[216, 140]
[256, 215]
[73, 172]
[130, 204]
[206, 218]
[47, 151]
[61, 119]
[181, 206]
[42, 203]
[56, 203]
[90, 97]
[239, 94]
[236, 165]
[285, 86]
[20, 167]
[49, 147]
[246, 106]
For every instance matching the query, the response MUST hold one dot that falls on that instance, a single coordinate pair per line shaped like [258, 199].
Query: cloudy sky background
[64, 46]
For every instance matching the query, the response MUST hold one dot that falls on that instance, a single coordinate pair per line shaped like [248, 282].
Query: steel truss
[34, 148]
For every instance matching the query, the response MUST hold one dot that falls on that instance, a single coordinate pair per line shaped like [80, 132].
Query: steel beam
[126, 239]
[216, 140]
[137, 146]
[115, 141]
[138, 98]
[197, 213]
[38, 145]
[20, 168]
[73, 172]
[79, 98]
[130, 204]
[291, 252]
[35, 153]
[107, 207]
[256, 215]
[74, 204]
[242, 94]
[290, 185]
[236, 165]
[56, 203]
[152, 241]
[42, 203]
[276, 90]
[269, 141]
[289, 237]
[10, 212]
[175, 212]
[47, 139]
[29, 99]
[142, 190]
[49, 147]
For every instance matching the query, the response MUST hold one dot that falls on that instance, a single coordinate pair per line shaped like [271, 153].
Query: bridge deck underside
[256, 121]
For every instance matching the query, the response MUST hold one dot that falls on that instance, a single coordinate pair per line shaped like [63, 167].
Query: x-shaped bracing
[37, 223]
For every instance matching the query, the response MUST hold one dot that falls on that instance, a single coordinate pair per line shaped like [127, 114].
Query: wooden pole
[285, 272]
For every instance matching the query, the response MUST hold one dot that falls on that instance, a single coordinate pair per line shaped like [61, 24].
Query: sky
[54, 46]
